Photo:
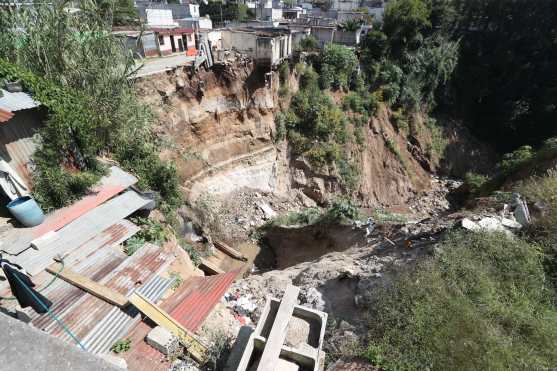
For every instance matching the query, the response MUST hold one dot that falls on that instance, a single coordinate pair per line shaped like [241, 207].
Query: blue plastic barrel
[26, 210]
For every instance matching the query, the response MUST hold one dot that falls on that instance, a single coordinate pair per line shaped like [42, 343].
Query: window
[161, 40]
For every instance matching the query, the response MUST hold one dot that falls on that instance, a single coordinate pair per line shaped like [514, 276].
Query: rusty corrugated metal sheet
[118, 322]
[18, 142]
[142, 356]
[83, 314]
[5, 115]
[190, 304]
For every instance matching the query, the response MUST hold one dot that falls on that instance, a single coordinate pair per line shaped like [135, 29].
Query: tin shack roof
[16, 101]
[5, 115]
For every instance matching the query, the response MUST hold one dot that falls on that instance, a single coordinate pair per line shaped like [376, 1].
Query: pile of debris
[512, 217]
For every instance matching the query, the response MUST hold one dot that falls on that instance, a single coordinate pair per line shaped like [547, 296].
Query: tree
[506, 81]
[309, 43]
[338, 64]
[404, 22]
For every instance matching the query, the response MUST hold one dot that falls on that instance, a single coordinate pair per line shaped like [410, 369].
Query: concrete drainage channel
[288, 337]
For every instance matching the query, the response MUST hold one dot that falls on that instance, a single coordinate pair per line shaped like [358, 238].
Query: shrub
[280, 124]
[349, 174]
[121, 346]
[338, 64]
[543, 191]
[474, 181]
[353, 102]
[391, 146]
[283, 91]
[152, 230]
[513, 160]
[133, 244]
[343, 209]
[284, 72]
[438, 139]
[304, 217]
[479, 303]
[92, 109]
[309, 43]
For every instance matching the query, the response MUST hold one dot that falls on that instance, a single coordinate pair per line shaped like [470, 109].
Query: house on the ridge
[175, 40]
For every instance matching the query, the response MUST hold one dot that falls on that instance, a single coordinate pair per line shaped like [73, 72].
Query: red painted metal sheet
[190, 304]
[5, 115]
[117, 181]
[195, 300]
[64, 216]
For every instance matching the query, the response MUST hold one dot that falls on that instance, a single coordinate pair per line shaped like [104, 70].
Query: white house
[160, 18]
[268, 46]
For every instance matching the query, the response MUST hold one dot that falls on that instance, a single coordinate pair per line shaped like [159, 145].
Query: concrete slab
[25, 348]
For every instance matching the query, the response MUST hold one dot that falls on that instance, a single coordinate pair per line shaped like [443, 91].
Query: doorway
[172, 43]
[180, 45]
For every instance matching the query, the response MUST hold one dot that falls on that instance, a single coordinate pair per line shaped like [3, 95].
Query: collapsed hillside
[219, 128]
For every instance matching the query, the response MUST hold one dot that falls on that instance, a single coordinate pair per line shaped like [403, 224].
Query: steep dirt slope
[218, 127]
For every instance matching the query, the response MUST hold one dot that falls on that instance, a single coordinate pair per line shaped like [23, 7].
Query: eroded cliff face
[219, 125]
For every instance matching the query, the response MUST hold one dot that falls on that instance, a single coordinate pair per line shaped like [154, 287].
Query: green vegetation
[391, 146]
[511, 161]
[341, 210]
[502, 88]
[177, 280]
[218, 351]
[381, 216]
[305, 217]
[438, 139]
[309, 44]
[543, 191]
[316, 126]
[220, 12]
[338, 67]
[480, 303]
[474, 182]
[152, 231]
[121, 346]
[118, 12]
[408, 59]
[79, 71]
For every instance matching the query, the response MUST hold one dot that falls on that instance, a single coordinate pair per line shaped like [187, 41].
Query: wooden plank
[80, 231]
[274, 342]
[229, 250]
[115, 182]
[195, 348]
[209, 267]
[92, 287]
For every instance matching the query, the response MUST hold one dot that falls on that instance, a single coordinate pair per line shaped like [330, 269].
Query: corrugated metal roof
[5, 115]
[109, 186]
[190, 304]
[83, 315]
[16, 101]
[118, 322]
[18, 141]
[196, 298]
[80, 231]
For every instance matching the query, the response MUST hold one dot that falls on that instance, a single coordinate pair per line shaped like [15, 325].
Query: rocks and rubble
[162, 340]
[507, 221]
